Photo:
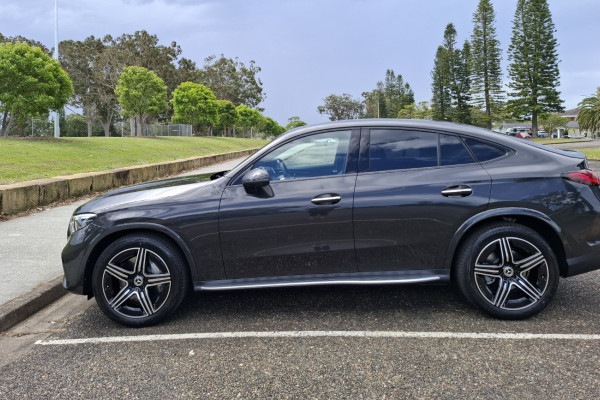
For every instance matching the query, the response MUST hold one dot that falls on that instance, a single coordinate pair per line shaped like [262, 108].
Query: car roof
[441, 126]
[450, 127]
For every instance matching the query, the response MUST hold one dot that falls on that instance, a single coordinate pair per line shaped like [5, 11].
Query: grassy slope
[23, 160]
[591, 153]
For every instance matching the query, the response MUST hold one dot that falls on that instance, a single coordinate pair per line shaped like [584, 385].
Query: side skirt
[356, 278]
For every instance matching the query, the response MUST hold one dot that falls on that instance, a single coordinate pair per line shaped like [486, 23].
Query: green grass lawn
[27, 159]
[591, 153]
[555, 141]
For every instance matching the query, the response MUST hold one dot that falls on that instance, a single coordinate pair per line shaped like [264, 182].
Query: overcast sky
[308, 49]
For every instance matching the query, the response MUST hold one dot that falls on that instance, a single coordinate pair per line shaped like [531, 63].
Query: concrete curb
[19, 309]
[23, 196]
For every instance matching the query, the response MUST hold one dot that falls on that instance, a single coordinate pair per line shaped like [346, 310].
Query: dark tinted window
[398, 149]
[453, 152]
[484, 151]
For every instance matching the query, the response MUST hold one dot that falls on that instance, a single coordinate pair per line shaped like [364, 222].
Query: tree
[451, 83]
[389, 97]
[24, 40]
[294, 122]
[141, 93]
[550, 122]
[589, 113]
[533, 57]
[143, 49]
[440, 101]
[76, 125]
[228, 116]
[248, 117]
[80, 61]
[460, 84]
[341, 107]
[195, 104]
[416, 111]
[230, 79]
[271, 127]
[397, 93]
[31, 84]
[486, 71]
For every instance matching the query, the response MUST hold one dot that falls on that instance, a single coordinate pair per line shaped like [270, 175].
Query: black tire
[507, 270]
[140, 279]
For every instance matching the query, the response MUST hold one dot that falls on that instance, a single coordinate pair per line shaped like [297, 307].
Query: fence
[169, 130]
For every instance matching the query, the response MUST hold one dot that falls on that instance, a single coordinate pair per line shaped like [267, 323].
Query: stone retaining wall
[23, 196]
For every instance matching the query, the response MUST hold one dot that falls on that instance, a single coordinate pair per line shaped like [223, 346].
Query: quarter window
[453, 152]
[484, 151]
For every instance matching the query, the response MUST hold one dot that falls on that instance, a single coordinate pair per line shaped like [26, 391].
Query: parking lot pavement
[406, 361]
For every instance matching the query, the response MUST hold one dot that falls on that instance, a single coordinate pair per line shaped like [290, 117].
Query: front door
[302, 223]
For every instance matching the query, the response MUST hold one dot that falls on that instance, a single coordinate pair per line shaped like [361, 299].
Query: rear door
[413, 190]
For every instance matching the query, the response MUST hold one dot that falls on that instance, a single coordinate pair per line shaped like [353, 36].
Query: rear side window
[484, 151]
[398, 149]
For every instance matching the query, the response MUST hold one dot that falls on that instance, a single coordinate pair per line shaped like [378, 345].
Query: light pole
[56, 121]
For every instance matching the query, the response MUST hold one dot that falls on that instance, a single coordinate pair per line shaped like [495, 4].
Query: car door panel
[404, 221]
[288, 234]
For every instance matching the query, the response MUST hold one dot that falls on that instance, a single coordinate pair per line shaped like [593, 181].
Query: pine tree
[460, 84]
[397, 93]
[450, 80]
[440, 102]
[534, 62]
[389, 97]
[486, 71]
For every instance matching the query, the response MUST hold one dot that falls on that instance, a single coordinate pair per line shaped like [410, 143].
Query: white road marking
[317, 334]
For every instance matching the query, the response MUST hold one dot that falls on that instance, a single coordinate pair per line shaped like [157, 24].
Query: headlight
[80, 221]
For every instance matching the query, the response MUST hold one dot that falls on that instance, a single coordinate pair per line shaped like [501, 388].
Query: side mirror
[256, 178]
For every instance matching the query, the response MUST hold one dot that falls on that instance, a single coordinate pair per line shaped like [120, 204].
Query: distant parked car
[523, 135]
[519, 129]
[542, 134]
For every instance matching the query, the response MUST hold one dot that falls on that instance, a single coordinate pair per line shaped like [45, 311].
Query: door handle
[327, 198]
[457, 191]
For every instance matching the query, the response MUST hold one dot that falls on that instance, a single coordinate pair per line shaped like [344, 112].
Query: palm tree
[589, 113]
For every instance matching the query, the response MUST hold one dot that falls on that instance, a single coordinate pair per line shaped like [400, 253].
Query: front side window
[322, 154]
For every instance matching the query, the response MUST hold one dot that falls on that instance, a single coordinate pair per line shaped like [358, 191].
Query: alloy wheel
[511, 273]
[136, 282]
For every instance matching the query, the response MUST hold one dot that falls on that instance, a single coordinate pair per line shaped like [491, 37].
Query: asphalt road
[417, 366]
[334, 342]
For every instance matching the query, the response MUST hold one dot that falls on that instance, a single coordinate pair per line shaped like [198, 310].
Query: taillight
[585, 176]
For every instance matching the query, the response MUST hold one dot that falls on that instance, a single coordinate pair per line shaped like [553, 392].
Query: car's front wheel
[140, 279]
[507, 270]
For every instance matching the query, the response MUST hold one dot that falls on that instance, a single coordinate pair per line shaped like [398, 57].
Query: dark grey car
[351, 202]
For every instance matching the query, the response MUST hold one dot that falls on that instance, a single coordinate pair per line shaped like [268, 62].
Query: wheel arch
[120, 231]
[532, 219]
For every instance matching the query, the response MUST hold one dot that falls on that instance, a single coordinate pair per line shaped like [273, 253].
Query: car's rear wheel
[507, 270]
[140, 279]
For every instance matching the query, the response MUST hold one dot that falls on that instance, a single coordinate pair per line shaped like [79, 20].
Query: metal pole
[56, 121]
